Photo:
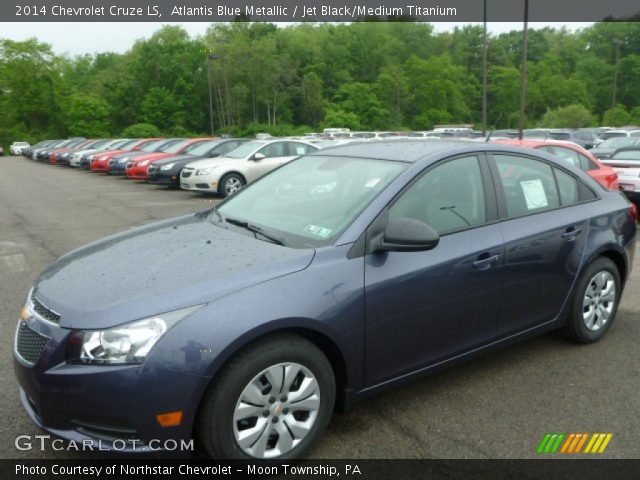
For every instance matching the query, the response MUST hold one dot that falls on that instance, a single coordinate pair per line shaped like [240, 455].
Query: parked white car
[250, 161]
[16, 147]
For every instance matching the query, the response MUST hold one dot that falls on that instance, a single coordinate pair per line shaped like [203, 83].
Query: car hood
[158, 268]
[151, 157]
[180, 158]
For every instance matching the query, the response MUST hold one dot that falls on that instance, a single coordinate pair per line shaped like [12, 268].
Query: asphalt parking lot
[498, 406]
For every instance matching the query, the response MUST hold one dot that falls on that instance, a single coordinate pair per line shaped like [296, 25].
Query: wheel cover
[276, 410]
[232, 185]
[599, 300]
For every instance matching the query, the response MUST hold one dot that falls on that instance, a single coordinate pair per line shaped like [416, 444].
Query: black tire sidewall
[222, 399]
[578, 325]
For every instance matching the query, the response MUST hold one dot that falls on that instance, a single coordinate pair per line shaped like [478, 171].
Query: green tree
[571, 116]
[88, 115]
[141, 130]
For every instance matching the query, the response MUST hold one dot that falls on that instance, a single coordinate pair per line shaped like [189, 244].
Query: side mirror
[407, 235]
[259, 156]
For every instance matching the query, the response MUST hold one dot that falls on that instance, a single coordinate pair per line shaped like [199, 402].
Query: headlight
[204, 171]
[124, 160]
[144, 163]
[129, 343]
[168, 166]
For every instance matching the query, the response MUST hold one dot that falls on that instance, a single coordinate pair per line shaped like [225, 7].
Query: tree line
[364, 75]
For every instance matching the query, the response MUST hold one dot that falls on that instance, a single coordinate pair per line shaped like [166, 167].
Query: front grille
[185, 174]
[29, 344]
[44, 312]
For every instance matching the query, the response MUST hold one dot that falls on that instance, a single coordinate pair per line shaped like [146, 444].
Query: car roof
[408, 150]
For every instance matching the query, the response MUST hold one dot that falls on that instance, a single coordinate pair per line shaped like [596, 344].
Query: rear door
[544, 228]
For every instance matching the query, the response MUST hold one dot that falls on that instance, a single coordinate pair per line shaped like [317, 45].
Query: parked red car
[138, 168]
[574, 154]
[101, 162]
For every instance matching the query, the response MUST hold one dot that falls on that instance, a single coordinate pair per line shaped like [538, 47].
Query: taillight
[612, 181]
[634, 211]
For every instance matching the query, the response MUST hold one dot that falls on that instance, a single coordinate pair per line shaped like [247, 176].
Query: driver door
[424, 307]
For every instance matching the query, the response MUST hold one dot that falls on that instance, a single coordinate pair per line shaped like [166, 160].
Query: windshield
[606, 135]
[617, 142]
[153, 146]
[129, 145]
[245, 149]
[310, 201]
[175, 147]
[115, 144]
[203, 148]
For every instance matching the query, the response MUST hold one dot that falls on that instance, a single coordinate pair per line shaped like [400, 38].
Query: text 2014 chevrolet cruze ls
[341, 273]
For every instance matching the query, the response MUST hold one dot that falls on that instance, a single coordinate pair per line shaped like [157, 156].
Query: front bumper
[109, 405]
[137, 172]
[159, 177]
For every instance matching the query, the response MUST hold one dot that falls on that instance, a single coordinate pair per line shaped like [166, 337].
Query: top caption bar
[314, 10]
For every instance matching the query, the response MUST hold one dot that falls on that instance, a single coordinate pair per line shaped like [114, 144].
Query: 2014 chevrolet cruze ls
[341, 273]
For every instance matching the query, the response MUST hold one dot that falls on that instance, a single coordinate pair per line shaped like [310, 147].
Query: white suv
[16, 147]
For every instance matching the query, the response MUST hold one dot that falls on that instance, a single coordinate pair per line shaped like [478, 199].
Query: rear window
[560, 135]
[628, 155]
[606, 135]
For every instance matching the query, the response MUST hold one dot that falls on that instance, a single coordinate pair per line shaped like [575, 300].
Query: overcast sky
[81, 38]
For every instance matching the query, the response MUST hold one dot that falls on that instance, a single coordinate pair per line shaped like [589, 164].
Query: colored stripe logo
[574, 443]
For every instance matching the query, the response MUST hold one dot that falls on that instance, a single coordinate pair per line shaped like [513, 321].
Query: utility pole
[617, 42]
[211, 57]
[484, 72]
[523, 81]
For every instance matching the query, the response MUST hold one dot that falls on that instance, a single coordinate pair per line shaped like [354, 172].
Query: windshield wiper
[255, 230]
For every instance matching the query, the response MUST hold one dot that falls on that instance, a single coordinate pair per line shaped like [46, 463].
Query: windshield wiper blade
[253, 229]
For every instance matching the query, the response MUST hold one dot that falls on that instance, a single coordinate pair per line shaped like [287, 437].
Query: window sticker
[318, 231]
[534, 194]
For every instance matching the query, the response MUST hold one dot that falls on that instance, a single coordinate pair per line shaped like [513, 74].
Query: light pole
[523, 81]
[484, 72]
[211, 57]
[617, 42]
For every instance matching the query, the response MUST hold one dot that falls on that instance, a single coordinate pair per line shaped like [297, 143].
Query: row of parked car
[224, 165]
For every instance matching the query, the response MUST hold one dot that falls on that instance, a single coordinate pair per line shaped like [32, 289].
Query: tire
[594, 303]
[230, 184]
[288, 431]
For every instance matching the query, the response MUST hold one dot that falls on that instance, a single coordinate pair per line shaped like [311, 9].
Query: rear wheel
[595, 303]
[273, 400]
[230, 184]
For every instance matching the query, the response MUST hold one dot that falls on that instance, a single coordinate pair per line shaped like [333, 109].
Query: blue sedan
[339, 274]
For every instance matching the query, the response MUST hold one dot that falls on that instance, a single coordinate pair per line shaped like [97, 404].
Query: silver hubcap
[276, 410]
[232, 185]
[599, 301]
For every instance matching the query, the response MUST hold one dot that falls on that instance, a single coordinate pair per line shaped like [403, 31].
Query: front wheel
[230, 184]
[273, 400]
[595, 303]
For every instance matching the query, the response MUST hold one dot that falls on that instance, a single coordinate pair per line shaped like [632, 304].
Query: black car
[167, 171]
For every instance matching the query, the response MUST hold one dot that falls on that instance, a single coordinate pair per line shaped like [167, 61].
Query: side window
[448, 197]
[567, 154]
[586, 164]
[298, 149]
[276, 149]
[568, 187]
[528, 185]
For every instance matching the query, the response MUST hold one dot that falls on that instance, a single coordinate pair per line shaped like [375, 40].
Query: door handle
[571, 233]
[484, 262]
